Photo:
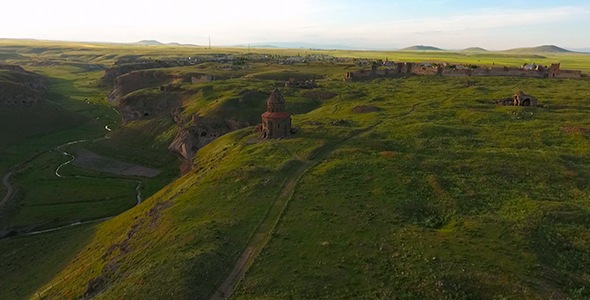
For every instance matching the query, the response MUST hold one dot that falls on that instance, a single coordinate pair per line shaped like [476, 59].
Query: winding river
[60, 175]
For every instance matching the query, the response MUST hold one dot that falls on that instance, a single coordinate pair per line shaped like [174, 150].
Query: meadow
[438, 194]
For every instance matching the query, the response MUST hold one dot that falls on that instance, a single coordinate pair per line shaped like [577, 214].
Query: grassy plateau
[434, 193]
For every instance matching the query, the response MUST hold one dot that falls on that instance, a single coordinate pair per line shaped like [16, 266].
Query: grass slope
[459, 200]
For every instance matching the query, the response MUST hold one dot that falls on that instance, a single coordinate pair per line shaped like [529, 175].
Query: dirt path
[263, 232]
[9, 189]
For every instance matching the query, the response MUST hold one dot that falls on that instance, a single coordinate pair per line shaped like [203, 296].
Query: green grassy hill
[455, 199]
[474, 50]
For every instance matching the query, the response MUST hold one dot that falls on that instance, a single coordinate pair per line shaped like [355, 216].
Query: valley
[141, 172]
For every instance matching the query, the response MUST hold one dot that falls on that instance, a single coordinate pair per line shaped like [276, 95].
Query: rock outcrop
[18, 87]
[14, 68]
[519, 99]
[198, 133]
[16, 94]
[146, 105]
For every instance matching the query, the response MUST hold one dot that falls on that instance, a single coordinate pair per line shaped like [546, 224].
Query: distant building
[276, 122]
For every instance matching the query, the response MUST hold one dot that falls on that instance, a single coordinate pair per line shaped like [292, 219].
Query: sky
[368, 24]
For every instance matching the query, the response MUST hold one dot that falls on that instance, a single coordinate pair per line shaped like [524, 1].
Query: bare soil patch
[320, 95]
[363, 109]
[574, 129]
[89, 160]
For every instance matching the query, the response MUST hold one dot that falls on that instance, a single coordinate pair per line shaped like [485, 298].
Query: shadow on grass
[29, 262]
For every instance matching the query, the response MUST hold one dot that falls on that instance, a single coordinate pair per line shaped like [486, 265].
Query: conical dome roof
[276, 98]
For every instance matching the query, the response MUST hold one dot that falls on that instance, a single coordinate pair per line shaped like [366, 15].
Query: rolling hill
[421, 48]
[474, 50]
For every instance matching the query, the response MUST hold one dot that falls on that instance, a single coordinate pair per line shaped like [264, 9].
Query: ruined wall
[571, 74]
[492, 72]
[202, 78]
[426, 70]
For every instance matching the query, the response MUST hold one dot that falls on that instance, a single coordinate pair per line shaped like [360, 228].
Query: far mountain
[157, 43]
[540, 49]
[297, 45]
[421, 48]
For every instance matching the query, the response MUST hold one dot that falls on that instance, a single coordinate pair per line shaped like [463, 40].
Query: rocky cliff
[197, 134]
[147, 104]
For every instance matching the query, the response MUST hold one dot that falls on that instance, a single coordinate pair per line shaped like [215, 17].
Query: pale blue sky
[448, 24]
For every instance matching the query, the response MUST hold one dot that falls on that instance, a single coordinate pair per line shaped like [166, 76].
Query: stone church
[276, 122]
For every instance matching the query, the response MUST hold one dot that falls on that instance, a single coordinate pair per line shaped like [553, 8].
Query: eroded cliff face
[146, 105]
[197, 134]
[138, 80]
[16, 94]
[19, 87]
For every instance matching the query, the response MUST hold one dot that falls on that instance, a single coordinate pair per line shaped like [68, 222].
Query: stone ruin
[276, 122]
[301, 84]
[519, 99]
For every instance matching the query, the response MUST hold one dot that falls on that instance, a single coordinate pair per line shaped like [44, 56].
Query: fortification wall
[424, 70]
[571, 74]
[479, 72]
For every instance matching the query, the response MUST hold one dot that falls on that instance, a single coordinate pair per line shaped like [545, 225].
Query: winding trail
[263, 232]
[9, 189]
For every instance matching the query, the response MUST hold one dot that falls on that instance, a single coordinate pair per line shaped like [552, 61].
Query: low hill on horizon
[474, 49]
[158, 43]
[421, 48]
[540, 49]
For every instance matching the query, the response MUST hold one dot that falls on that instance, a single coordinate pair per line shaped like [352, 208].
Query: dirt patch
[574, 129]
[363, 109]
[89, 160]
[154, 212]
[314, 123]
[319, 95]
[388, 154]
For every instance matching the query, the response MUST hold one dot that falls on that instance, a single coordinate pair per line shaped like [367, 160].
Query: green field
[439, 194]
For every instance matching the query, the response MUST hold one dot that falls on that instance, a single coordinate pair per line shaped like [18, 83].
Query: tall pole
[209, 42]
